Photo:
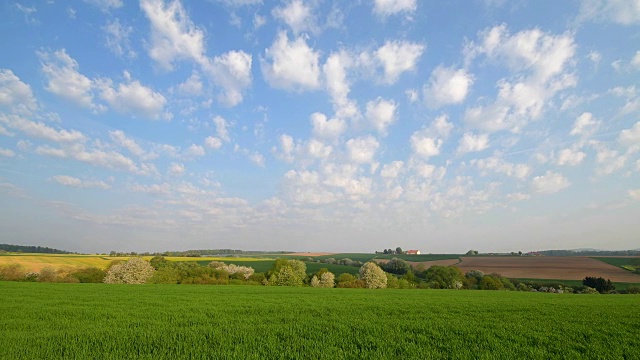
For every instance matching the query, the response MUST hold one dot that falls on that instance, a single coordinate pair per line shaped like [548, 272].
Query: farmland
[247, 322]
[547, 267]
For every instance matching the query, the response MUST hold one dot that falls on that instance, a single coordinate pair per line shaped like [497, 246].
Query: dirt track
[548, 267]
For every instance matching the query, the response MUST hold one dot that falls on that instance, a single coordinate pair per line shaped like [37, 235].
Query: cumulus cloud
[232, 72]
[107, 159]
[41, 130]
[82, 184]
[327, 128]
[498, 165]
[291, 65]
[319, 150]
[15, 95]
[550, 182]
[338, 85]
[363, 149]
[64, 79]
[392, 170]
[381, 114]
[212, 142]
[634, 194]
[297, 15]
[195, 151]
[134, 99]
[7, 153]
[222, 128]
[540, 65]
[570, 157]
[176, 169]
[173, 35]
[191, 86]
[397, 57]
[630, 137]
[425, 146]
[471, 143]
[120, 139]
[585, 125]
[385, 8]
[447, 86]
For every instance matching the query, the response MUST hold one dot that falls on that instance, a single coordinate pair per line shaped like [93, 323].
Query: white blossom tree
[133, 271]
[373, 276]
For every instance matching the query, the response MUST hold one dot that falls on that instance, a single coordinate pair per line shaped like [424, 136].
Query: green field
[83, 321]
[627, 263]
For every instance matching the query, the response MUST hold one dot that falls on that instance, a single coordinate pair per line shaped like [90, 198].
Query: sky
[320, 125]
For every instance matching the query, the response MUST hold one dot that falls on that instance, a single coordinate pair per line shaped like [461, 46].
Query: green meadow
[83, 321]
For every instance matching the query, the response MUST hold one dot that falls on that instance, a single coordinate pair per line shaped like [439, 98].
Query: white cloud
[470, 143]
[64, 80]
[631, 137]
[381, 113]
[397, 57]
[191, 86]
[105, 5]
[287, 147]
[232, 72]
[117, 38]
[540, 65]
[222, 128]
[82, 184]
[635, 62]
[173, 35]
[259, 21]
[195, 151]
[585, 125]
[634, 194]
[387, 8]
[337, 83]
[623, 12]
[297, 15]
[392, 170]
[595, 57]
[107, 159]
[363, 149]
[120, 139]
[447, 86]
[327, 128]
[570, 157]
[134, 99]
[15, 95]
[213, 142]
[498, 165]
[7, 153]
[41, 130]
[424, 145]
[550, 182]
[176, 169]
[319, 150]
[291, 65]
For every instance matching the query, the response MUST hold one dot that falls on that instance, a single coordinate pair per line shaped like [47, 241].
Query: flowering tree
[133, 271]
[373, 276]
[326, 280]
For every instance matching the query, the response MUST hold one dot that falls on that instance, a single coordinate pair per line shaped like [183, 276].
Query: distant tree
[397, 266]
[373, 276]
[385, 251]
[133, 271]
[600, 284]
[399, 250]
[287, 273]
[519, 253]
[158, 261]
[472, 252]
[327, 280]
[444, 277]
[490, 283]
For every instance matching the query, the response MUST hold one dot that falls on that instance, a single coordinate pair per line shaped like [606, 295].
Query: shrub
[133, 271]
[89, 275]
[397, 266]
[443, 277]
[373, 276]
[48, 274]
[600, 284]
[12, 272]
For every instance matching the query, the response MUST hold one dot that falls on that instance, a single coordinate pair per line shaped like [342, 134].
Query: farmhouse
[413, 252]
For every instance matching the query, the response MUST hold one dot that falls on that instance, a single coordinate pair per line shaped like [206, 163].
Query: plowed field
[550, 267]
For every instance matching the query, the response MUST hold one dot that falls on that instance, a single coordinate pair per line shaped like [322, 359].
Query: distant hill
[588, 252]
[32, 249]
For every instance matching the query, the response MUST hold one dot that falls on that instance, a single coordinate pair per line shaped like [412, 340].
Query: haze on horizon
[320, 125]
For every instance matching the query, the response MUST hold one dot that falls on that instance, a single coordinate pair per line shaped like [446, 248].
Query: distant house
[413, 252]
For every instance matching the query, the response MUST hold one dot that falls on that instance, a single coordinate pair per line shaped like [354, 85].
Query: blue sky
[320, 125]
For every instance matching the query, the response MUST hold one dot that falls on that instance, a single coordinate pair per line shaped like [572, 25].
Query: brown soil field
[426, 264]
[547, 267]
